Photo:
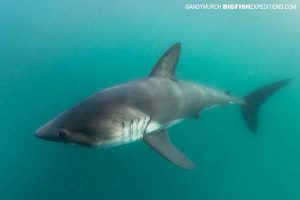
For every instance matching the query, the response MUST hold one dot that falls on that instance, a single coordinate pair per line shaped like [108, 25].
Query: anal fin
[197, 115]
[162, 144]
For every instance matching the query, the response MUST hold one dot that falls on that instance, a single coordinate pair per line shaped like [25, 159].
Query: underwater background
[55, 53]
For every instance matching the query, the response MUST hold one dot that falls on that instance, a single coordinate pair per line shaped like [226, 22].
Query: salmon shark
[144, 110]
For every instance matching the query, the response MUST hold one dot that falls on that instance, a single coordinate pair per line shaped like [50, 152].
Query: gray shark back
[163, 100]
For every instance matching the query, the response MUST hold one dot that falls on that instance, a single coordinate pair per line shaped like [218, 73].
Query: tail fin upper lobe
[255, 99]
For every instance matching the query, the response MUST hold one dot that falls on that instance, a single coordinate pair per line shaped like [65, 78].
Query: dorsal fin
[166, 65]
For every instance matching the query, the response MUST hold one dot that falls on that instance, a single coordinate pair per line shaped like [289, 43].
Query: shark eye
[62, 134]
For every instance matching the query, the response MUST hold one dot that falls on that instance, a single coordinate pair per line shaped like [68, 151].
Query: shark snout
[46, 132]
[38, 133]
[43, 134]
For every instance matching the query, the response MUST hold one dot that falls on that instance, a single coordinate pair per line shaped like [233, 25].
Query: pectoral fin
[163, 145]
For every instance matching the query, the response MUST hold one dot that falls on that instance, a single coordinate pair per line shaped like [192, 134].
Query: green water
[55, 53]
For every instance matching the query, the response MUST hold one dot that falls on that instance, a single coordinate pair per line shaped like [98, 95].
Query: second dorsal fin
[166, 66]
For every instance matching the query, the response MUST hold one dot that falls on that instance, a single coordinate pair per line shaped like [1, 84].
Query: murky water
[55, 53]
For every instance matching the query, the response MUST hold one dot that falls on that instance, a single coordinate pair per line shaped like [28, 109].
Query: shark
[144, 109]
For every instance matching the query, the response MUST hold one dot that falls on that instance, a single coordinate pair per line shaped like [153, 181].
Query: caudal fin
[255, 99]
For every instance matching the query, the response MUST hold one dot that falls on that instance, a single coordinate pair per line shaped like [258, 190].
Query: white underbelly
[135, 130]
[155, 126]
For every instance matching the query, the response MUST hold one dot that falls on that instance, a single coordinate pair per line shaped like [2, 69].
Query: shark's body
[145, 108]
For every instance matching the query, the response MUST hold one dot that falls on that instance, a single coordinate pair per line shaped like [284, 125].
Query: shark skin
[145, 108]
